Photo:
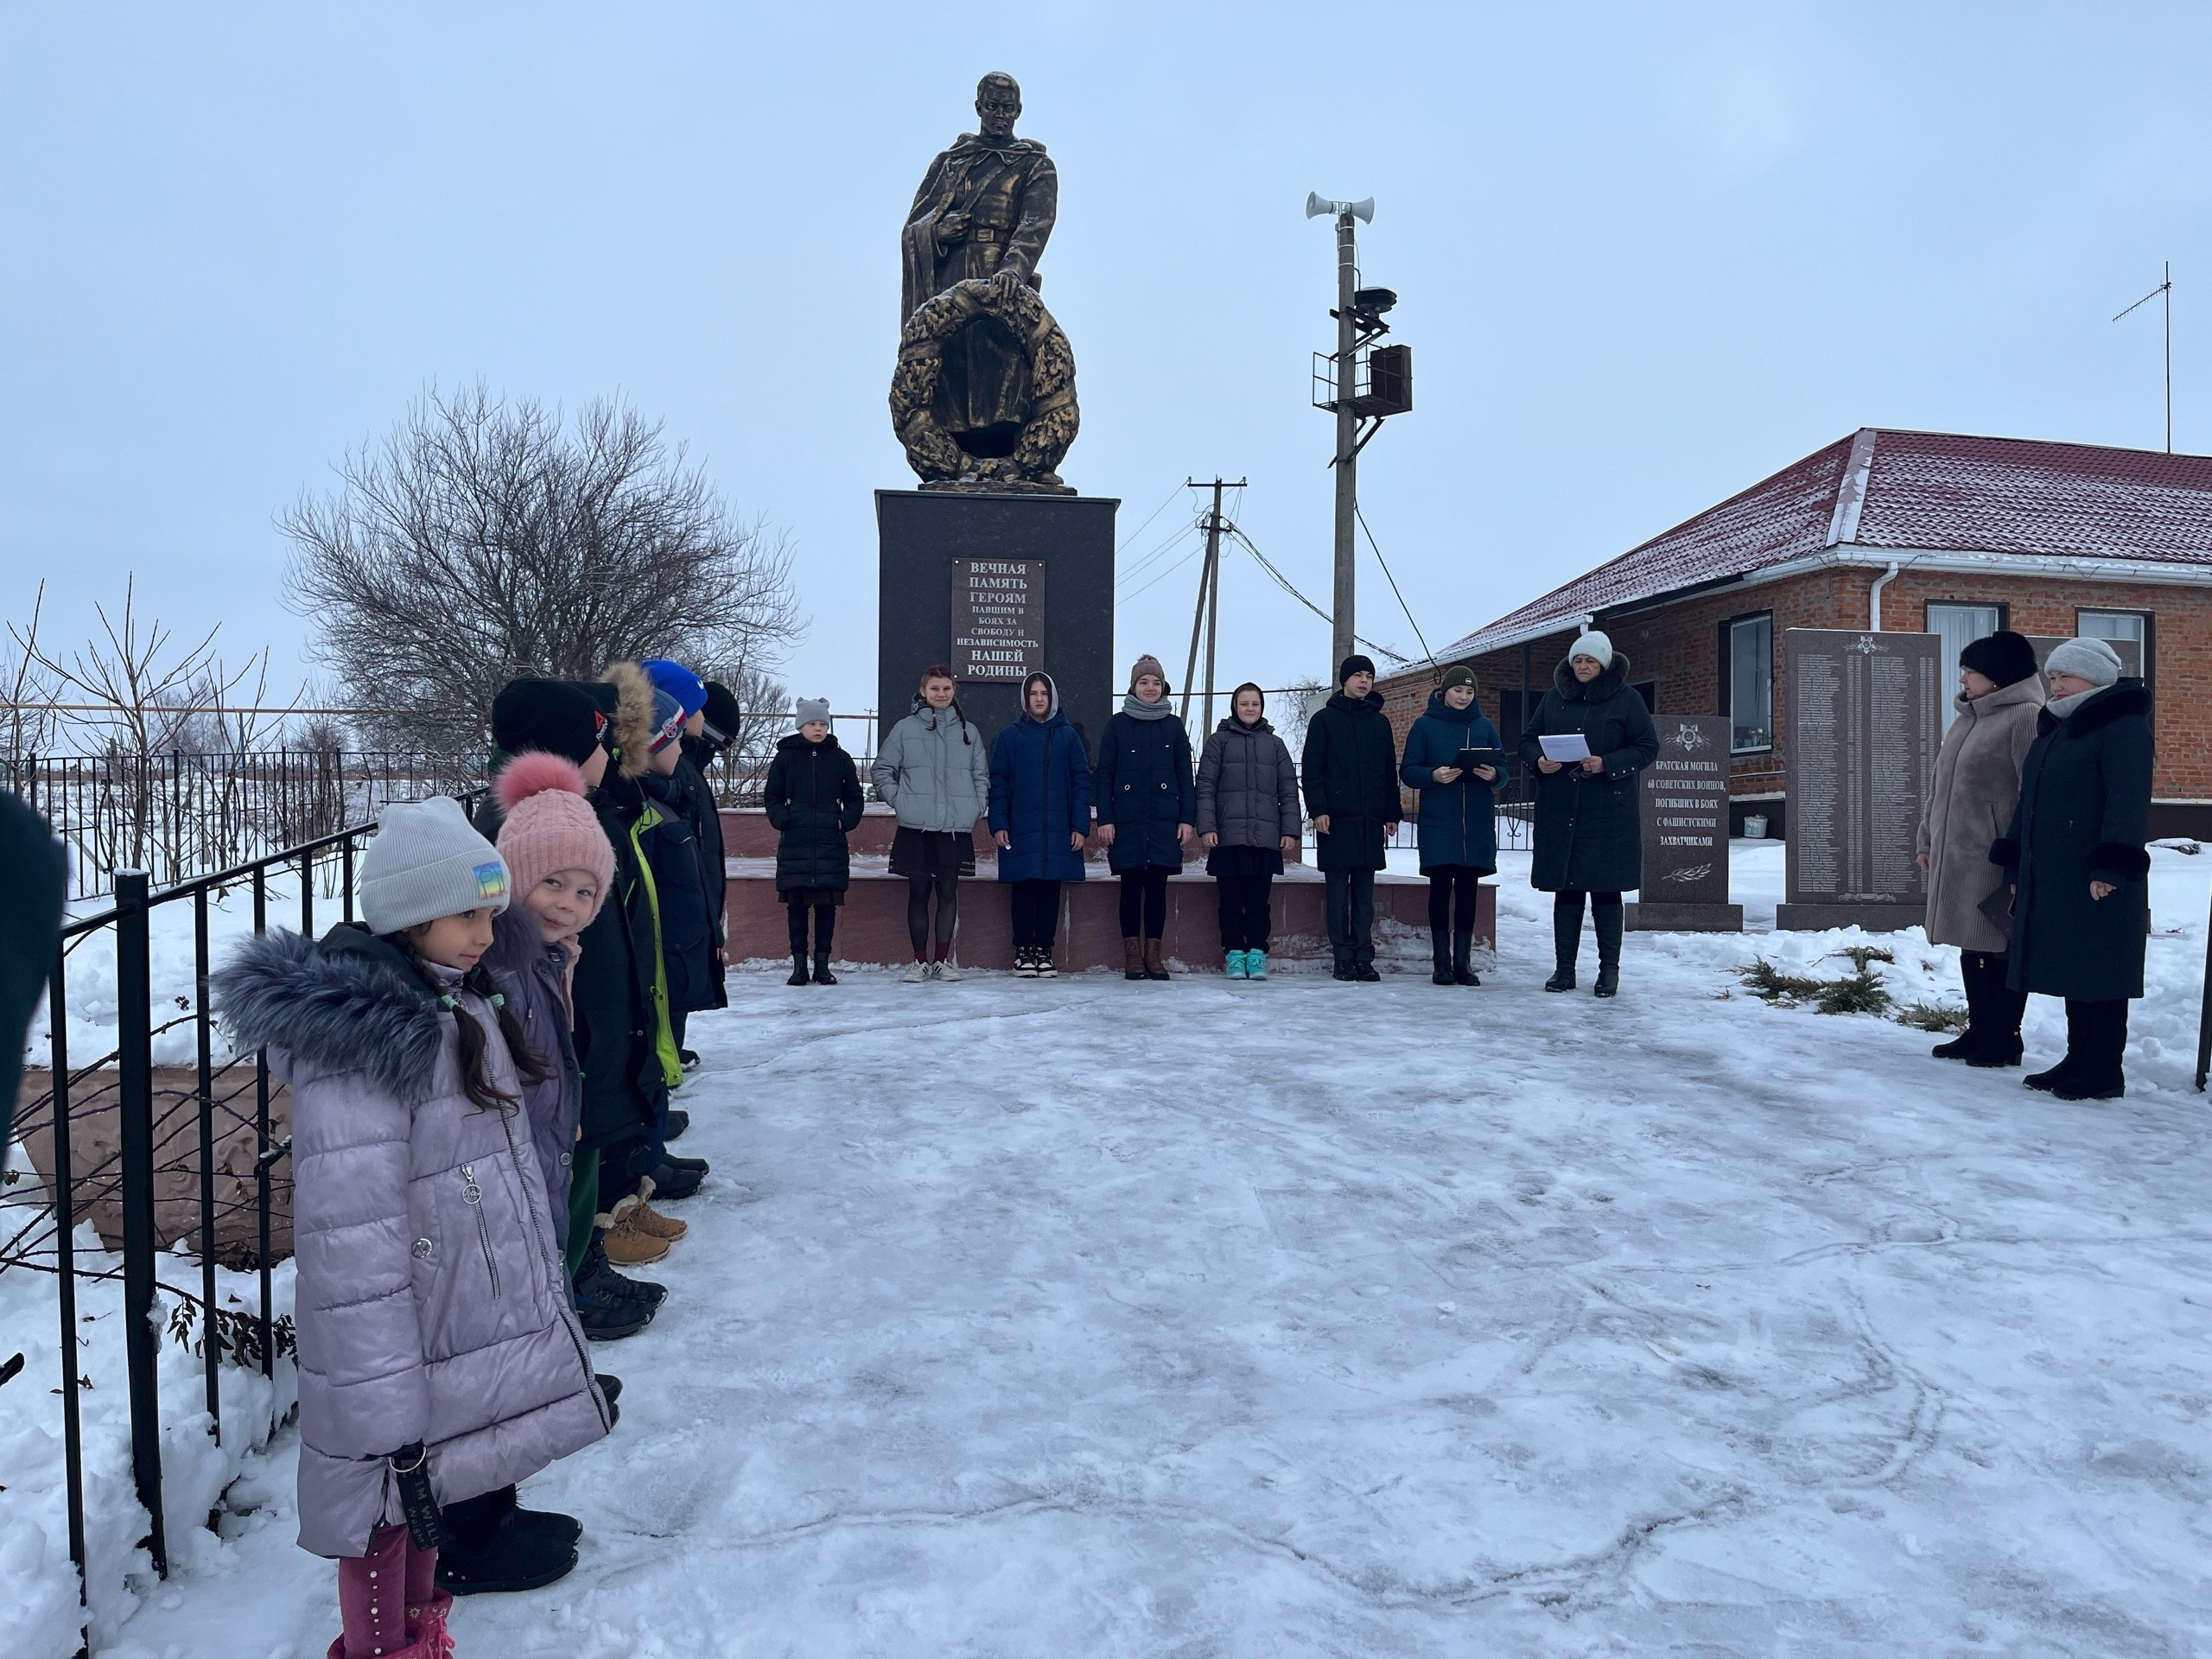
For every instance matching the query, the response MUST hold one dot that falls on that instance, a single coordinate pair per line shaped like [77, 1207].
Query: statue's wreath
[1052, 413]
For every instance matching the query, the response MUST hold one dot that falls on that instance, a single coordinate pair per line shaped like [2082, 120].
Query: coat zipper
[475, 1194]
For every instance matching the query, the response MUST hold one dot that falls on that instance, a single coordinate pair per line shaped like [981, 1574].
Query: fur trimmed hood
[633, 717]
[2103, 706]
[351, 1003]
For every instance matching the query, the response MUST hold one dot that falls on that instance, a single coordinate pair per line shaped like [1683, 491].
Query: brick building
[1927, 531]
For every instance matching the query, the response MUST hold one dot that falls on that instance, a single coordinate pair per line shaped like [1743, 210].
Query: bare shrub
[486, 538]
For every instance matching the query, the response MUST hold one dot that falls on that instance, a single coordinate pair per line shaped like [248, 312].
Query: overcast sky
[1646, 255]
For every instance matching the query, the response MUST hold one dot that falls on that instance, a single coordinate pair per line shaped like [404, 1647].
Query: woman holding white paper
[1589, 844]
[1458, 817]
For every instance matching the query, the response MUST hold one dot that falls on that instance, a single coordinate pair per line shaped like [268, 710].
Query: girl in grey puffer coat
[1249, 819]
[431, 1302]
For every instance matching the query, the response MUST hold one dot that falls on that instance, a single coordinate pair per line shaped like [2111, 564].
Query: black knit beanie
[2004, 658]
[1353, 665]
[722, 711]
[555, 716]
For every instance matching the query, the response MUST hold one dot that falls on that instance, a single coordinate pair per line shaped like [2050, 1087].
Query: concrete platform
[872, 925]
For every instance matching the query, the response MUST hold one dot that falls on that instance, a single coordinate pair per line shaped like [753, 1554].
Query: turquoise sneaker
[1255, 965]
[1236, 964]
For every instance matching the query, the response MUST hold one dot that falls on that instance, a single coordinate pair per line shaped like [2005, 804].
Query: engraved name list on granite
[1863, 718]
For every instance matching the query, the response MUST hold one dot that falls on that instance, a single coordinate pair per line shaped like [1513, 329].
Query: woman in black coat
[1588, 840]
[2079, 865]
[1147, 801]
[814, 800]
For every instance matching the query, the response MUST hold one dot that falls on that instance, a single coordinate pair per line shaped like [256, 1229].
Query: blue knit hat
[678, 682]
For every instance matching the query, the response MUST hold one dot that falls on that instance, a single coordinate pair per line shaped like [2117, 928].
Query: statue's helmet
[998, 81]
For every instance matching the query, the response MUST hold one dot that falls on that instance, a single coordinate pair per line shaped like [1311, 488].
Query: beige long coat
[1977, 785]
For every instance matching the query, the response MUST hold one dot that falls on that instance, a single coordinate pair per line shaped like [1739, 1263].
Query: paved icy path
[1092, 1318]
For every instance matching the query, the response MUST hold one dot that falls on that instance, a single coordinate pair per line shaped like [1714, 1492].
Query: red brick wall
[1678, 646]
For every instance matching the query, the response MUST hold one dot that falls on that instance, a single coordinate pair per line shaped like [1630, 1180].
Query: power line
[1290, 587]
[1173, 541]
[1149, 516]
[1393, 581]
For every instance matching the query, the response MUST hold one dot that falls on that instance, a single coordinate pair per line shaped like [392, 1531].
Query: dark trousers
[1993, 1008]
[1452, 888]
[918, 888]
[1036, 915]
[1246, 911]
[826, 928]
[1144, 901]
[1351, 916]
[677, 1019]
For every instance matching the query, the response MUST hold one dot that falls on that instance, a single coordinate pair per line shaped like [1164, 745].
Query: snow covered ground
[1309, 1319]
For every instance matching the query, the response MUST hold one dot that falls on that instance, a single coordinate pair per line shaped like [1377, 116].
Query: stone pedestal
[1682, 919]
[1035, 575]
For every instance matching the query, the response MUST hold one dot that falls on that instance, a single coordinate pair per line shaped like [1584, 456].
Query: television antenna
[2165, 294]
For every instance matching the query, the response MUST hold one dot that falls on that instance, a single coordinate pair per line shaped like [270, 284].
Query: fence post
[134, 1045]
[65, 1264]
[211, 1348]
[263, 1324]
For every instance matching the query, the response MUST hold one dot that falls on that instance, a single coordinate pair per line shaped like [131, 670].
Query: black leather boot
[1567, 939]
[1439, 951]
[2096, 1038]
[1463, 960]
[1607, 920]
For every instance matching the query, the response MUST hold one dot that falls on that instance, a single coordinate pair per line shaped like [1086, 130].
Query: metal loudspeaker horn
[1319, 207]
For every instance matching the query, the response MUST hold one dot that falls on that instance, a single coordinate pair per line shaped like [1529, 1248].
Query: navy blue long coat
[1145, 788]
[2084, 816]
[1040, 794]
[1457, 822]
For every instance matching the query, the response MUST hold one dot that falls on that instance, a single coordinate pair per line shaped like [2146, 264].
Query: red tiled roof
[1934, 492]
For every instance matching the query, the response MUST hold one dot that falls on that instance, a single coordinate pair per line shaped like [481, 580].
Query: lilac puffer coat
[534, 975]
[430, 1304]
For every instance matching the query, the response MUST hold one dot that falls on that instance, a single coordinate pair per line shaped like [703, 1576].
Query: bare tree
[485, 538]
[33, 724]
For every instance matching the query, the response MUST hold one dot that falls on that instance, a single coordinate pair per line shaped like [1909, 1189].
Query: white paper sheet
[1566, 748]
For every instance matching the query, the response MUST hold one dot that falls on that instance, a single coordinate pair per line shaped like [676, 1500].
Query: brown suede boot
[650, 1221]
[627, 1244]
[1132, 959]
[1155, 960]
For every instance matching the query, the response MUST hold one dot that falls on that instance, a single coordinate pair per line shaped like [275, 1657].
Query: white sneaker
[948, 969]
[1024, 963]
[1044, 969]
[916, 973]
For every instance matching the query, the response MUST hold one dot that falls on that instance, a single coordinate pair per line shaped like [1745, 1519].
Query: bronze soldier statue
[984, 212]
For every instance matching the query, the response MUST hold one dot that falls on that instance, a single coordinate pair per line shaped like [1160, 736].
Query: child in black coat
[814, 800]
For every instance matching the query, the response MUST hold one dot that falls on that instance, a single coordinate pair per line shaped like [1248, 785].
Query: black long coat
[706, 812]
[1349, 772]
[613, 990]
[814, 800]
[1588, 836]
[2084, 816]
[1144, 786]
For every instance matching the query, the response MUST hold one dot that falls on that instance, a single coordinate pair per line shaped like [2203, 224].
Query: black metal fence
[130, 1178]
[175, 816]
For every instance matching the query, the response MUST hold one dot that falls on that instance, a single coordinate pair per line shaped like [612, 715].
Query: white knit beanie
[2087, 659]
[1594, 645]
[424, 863]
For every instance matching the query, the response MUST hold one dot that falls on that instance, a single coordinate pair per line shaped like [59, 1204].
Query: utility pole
[2164, 292]
[1340, 632]
[1207, 617]
[1388, 389]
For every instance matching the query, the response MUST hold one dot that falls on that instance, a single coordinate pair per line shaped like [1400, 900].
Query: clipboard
[1467, 759]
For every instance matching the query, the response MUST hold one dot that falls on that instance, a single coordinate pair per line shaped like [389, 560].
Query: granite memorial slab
[1683, 803]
